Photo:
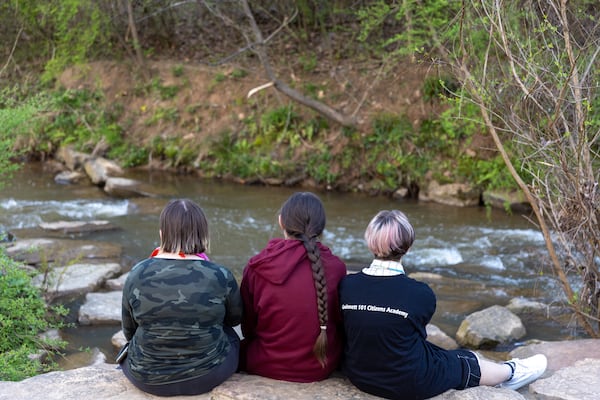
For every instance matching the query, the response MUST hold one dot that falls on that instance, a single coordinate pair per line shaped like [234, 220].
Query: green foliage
[271, 145]
[435, 88]
[490, 174]
[156, 86]
[236, 155]
[390, 154]
[81, 120]
[372, 17]
[178, 71]
[20, 118]
[165, 92]
[65, 31]
[318, 166]
[174, 150]
[220, 77]
[169, 114]
[239, 73]
[23, 317]
[308, 62]
[419, 24]
[41, 123]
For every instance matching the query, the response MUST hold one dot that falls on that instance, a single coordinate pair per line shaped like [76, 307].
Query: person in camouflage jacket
[179, 310]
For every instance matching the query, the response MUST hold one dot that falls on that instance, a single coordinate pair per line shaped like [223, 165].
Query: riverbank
[207, 126]
[473, 258]
[573, 374]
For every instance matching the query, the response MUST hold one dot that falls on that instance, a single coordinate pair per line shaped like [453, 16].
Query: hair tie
[323, 327]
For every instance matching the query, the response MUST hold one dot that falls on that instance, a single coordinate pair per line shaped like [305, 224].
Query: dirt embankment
[211, 100]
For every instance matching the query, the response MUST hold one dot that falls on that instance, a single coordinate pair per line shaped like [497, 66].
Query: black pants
[199, 385]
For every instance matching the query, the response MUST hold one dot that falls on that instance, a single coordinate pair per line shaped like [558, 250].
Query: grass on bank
[24, 317]
[279, 143]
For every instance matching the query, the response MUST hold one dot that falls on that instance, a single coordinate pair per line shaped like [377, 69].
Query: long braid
[312, 250]
[303, 218]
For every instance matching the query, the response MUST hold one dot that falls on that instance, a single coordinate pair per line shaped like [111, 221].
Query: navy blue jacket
[386, 351]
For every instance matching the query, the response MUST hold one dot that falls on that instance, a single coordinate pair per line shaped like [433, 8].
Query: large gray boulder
[117, 283]
[76, 227]
[560, 354]
[480, 393]
[101, 308]
[489, 327]
[72, 159]
[451, 194]
[580, 381]
[438, 337]
[99, 169]
[75, 278]
[125, 187]
[48, 251]
[513, 200]
[105, 381]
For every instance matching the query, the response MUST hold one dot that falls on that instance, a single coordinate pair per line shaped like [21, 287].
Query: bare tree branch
[535, 92]
[318, 106]
[251, 45]
[12, 51]
[136, 40]
[256, 42]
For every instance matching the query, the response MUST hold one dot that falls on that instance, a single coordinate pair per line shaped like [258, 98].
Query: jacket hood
[276, 262]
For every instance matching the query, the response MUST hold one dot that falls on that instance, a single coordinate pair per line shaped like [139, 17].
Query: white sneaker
[525, 371]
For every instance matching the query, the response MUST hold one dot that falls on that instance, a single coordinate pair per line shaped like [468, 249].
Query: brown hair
[303, 218]
[183, 227]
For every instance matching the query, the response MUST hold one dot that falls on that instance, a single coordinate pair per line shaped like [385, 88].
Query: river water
[485, 256]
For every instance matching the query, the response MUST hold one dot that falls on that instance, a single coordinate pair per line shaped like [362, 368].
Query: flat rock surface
[61, 251]
[76, 278]
[579, 380]
[101, 308]
[561, 354]
[105, 381]
[69, 227]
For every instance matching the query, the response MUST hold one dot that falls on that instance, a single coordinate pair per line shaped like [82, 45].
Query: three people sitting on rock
[303, 315]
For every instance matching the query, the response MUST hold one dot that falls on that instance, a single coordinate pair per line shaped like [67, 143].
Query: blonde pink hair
[389, 235]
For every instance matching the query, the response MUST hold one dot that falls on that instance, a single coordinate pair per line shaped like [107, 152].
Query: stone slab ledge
[105, 382]
[573, 374]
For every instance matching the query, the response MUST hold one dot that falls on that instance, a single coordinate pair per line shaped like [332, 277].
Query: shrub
[24, 315]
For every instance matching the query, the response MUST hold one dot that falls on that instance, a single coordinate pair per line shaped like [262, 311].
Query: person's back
[291, 299]
[390, 314]
[178, 311]
[180, 333]
[385, 317]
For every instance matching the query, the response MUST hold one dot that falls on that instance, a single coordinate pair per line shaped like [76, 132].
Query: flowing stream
[485, 257]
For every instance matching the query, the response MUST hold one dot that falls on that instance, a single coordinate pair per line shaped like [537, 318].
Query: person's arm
[249, 317]
[427, 304]
[128, 324]
[233, 303]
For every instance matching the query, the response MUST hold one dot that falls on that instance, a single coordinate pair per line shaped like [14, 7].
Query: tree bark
[139, 56]
[260, 50]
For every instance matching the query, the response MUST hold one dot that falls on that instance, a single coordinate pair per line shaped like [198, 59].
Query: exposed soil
[211, 100]
[206, 102]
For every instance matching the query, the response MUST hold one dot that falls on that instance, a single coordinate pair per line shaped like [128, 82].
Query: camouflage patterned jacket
[173, 315]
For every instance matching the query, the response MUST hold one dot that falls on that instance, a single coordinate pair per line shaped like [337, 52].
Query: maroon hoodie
[280, 322]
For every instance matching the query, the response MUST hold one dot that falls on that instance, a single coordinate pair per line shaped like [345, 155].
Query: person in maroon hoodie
[291, 322]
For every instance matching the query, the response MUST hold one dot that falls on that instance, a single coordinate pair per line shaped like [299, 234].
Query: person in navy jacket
[385, 314]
